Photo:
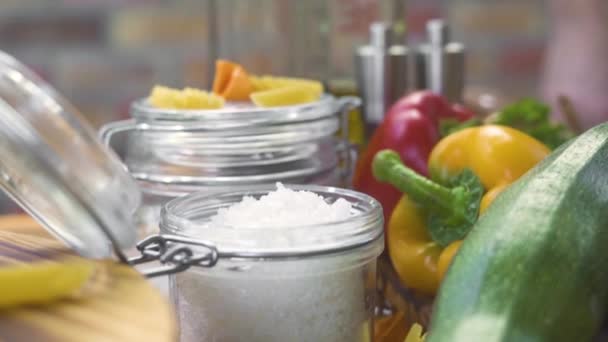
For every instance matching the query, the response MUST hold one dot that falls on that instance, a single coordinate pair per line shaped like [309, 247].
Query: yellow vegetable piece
[189, 98]
[198, 99]
[260, 83]
[498, 155]
[415, 334]
[286, 96]
[364, 335]
[239, 86]
[43, 282]
[165, 97]
[223, 73]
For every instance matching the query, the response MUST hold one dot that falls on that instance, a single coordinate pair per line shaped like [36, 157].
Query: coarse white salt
[282, 208]
[314, 297]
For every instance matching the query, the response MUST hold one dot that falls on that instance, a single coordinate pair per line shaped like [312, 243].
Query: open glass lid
[52, 165]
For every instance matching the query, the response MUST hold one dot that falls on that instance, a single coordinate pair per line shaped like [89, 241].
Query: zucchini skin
[535, 266]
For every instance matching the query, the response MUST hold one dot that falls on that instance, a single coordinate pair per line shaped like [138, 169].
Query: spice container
[382, 73]
[286, 278]
[440, 63]
[175, 152]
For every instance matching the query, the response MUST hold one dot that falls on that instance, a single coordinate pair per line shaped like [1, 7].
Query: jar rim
[177, 186]
[236, 114]
[188, 216]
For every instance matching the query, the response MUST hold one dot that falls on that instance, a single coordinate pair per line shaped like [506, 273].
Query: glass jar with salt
[294, 264]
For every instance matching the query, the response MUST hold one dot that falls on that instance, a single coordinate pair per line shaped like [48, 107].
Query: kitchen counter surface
[125, 307]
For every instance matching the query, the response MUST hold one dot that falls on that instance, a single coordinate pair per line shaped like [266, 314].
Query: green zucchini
[535, 265]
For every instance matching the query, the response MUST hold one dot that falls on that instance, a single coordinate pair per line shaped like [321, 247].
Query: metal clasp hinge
[174, 254]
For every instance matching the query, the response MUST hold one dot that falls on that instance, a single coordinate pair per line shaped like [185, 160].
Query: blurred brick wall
[505, 40]
[102, 54]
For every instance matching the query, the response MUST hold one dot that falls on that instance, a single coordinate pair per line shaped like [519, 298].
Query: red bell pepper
[410, 127]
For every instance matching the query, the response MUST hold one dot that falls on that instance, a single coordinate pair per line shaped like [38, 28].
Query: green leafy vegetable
[532, 117]
[449, 126]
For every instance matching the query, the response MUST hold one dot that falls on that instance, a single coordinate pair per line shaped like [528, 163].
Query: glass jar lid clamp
[191, 237]
[176, 254]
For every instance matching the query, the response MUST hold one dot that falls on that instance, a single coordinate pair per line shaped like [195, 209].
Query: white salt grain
[282, 208]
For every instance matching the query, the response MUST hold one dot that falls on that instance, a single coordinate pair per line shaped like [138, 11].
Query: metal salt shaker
[440, 64]
[382, 73]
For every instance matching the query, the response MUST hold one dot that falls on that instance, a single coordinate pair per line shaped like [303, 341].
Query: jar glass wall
[176, 152]
[308, 283]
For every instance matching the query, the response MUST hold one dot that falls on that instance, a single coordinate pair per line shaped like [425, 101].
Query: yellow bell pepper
[469, 168]
[415, 334]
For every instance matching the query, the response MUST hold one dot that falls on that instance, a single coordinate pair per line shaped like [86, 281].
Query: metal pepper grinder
[382, 73]
[440, 64]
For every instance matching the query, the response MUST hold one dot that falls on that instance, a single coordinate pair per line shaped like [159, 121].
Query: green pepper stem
[388, 167]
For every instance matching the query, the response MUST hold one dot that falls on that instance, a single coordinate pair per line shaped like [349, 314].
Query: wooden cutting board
[122, 307]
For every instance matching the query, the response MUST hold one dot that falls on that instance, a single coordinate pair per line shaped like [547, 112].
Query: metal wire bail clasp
[174, 254]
